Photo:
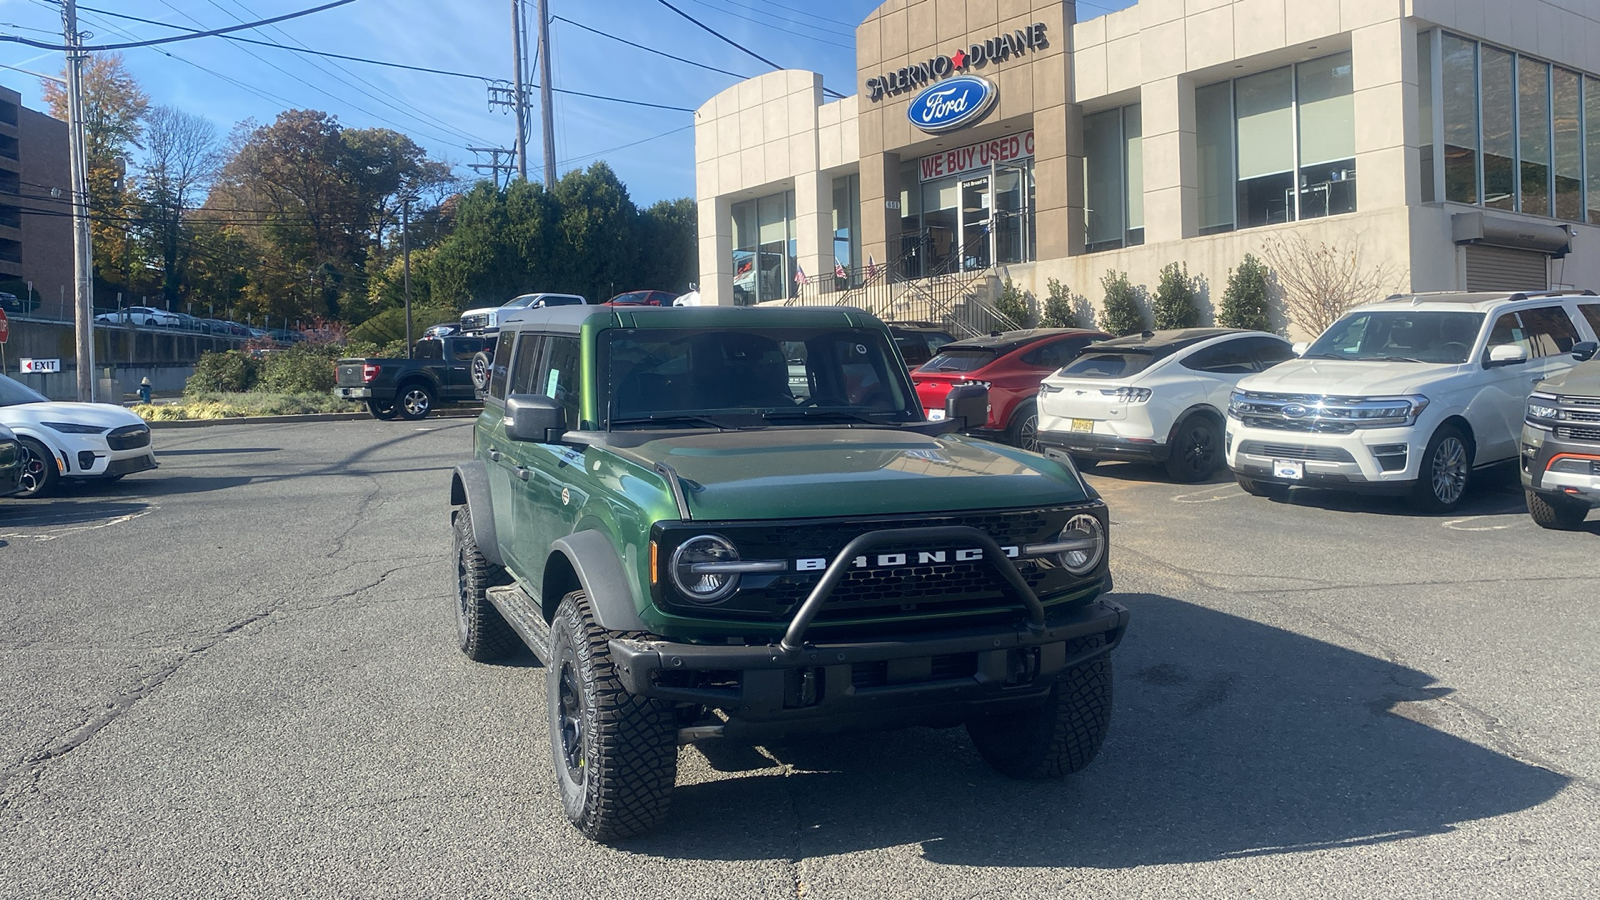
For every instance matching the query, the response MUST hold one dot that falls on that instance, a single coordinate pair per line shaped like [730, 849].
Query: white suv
[1153, 397]
[1407, 396]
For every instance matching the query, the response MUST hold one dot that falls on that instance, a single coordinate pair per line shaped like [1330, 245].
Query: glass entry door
[976, 206]
[1010, 219]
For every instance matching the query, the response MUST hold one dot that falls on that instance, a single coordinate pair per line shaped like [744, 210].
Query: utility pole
[520, 89]
[82, 248]
[544, 98]
[494, 166]
[405, 254]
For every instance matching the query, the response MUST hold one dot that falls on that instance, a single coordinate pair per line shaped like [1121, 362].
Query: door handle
[522, 473]
[494, 455]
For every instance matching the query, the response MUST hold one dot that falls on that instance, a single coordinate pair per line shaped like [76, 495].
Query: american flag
[799, 275]
[838, 270]
[872, 267]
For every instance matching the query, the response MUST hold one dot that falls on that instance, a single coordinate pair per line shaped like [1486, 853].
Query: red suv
[1012, 363]
[642, 298]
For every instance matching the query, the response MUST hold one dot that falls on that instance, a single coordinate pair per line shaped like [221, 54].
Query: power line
[672, 56]
[831, 32]
[624, 146]
[215, 32]
[734, 44]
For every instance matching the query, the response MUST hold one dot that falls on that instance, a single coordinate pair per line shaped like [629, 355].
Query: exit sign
[40, 366]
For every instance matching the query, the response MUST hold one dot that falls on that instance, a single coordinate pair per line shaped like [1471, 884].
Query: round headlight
[1079, 527]
[693, 568]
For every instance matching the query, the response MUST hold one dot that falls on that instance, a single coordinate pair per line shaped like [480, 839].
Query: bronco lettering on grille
[895, 560]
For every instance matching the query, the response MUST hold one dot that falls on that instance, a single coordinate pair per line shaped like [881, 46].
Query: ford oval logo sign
[951, 104]
[1294, 411]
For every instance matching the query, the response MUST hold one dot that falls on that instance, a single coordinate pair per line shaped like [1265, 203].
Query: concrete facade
[778, 132]
[35, 233]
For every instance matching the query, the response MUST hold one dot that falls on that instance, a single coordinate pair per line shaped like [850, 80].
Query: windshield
[1445, 338]
[520, 302]
[776, 375]
[13, 393]
[959, 359]
[1112, 363]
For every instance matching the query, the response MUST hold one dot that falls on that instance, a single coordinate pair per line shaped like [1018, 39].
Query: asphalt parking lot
[235, 677]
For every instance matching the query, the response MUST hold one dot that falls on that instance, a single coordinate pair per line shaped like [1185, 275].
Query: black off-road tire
[1195, 451]
[1556, 512]
[481, 632]
[1269, 489]
[40, 477]
[1445, 473]
[1023, 432]
[615, 754]
[482, 362]
[1062, 735]
[414, 401]
[382, 409]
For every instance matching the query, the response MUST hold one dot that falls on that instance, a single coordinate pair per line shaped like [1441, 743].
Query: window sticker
[551, 382]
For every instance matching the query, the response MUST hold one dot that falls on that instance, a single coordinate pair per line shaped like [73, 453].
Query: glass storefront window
[1591, 146]
[1264, 130]
[1567, 124]
[1113, 172]
[1133, 169]
[1499, 128]
[846, 234]
[1213, 107]
[1427, 172]
[1325, 99]
[968, 208]
[1460, 61]
[1533, 116]
[764, 249]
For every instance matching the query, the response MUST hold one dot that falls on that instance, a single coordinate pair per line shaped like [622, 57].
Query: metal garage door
[1504, 269]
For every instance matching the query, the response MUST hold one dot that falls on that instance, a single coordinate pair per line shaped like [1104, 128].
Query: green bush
[1174, 305]
[1064, 309]
[1120, 313]
[1244, 303]
[210, 405]
[302, 369]
[390, 325]
[232, 371]
[1013, 304]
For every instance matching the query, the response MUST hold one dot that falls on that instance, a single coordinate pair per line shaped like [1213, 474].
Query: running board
[522, 613]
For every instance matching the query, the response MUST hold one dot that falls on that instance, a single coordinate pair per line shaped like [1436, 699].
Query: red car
[1012, 363]
[642, 298]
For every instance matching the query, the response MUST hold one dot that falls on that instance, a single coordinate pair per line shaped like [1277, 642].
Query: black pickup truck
[438, 372]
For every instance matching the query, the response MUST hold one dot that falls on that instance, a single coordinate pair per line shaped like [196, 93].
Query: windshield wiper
[822, 413]
[673, 419]
[1402, 359]
[1322, 356]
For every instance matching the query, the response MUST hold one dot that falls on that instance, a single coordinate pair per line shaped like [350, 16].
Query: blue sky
[228, 82]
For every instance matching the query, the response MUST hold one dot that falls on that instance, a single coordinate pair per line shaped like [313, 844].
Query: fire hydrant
[144, 390]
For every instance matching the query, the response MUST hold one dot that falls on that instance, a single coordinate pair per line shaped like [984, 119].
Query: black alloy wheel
[1196, 450]
[39, 474]
[382, 409]
[1024, 430]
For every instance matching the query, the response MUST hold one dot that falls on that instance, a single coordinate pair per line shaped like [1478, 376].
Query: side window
[525, 370]
[1230, 358]
[1591, 312]
[1550, 329]
[429, 350]
[464, 349]
[1055, 354]
[1269, 351]
[560, 376]
[502, 361]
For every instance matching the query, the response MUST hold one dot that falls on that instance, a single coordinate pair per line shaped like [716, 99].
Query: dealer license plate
[935, 415]
[1292, 469]
[1082, 426]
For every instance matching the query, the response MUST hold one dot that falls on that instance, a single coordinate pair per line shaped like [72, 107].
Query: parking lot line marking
[40, 538]
[1226, 495]
[1456, 524]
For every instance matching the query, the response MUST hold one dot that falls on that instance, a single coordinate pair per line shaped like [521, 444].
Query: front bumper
[914, 679]
[1105, 446]
[1381, 461]
[1549, 465]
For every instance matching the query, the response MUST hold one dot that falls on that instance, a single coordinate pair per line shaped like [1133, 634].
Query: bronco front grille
[915, 589]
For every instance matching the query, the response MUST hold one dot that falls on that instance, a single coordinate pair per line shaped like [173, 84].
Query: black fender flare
[594, 560]
[469, 486]
[1204, 410]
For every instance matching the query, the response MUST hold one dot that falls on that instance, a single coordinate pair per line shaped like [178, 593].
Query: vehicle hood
[1342, 378]
[816, 472]
[1581, 380]
[102, 415]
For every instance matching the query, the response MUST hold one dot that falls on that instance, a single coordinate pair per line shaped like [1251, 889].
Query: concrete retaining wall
[166, 357]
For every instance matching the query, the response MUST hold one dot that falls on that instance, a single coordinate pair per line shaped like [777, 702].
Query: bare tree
[1320, 281]
[180, 163]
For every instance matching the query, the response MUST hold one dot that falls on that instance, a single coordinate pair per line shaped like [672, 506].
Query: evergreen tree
[1058, 306]
[1120, 313]
[1013, 304]
[1244, 303]
[1174, 303]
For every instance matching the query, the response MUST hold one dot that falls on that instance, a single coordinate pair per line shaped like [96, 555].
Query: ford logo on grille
[1294, 411]
[951, 104]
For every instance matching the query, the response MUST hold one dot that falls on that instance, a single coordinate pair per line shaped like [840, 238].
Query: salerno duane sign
[978, 55]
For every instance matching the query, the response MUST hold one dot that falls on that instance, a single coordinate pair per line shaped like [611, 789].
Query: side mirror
[967, 404]
[534, 418]
[1300, 347]
[1583, 351]
[1507, 355]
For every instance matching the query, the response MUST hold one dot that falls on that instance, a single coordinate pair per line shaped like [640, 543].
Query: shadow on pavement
[1230, 738]
[214, 451]
[46, 513]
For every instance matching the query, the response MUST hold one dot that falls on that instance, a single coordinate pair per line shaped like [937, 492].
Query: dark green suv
[736, 524]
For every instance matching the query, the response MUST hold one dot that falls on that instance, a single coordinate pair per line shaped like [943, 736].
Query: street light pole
[405, 255]
[544, 99]
[82, 247]
[518, 99]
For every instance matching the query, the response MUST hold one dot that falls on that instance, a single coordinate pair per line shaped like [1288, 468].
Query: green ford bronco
[736, 524]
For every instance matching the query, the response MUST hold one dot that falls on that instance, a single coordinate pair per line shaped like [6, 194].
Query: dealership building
[1452, 144]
